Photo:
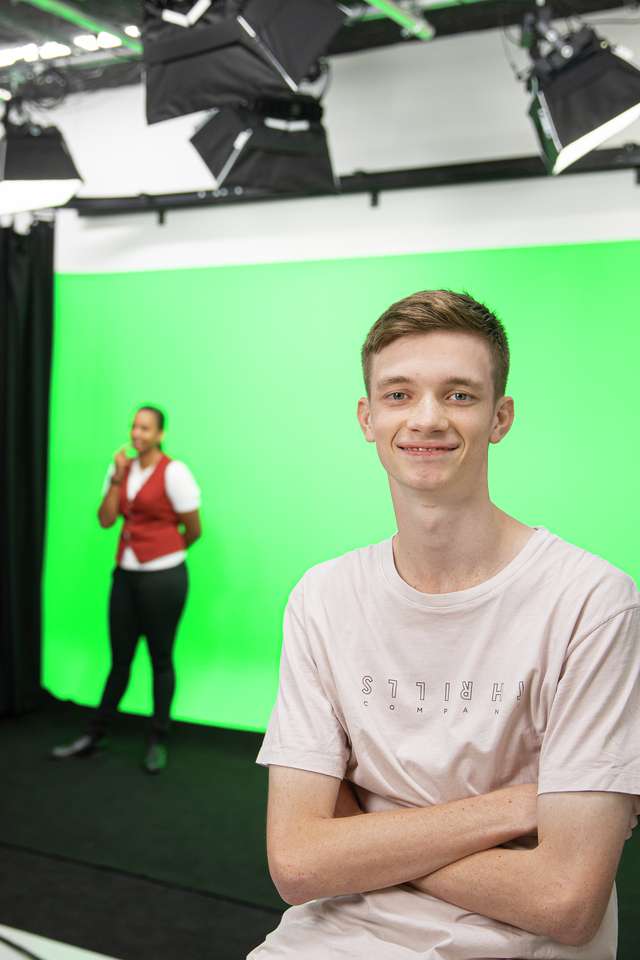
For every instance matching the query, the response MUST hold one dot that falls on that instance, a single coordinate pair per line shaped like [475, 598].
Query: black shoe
[84, 746]
[155, 759]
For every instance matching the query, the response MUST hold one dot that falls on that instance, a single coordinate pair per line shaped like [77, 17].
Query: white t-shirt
[183, 493]
[419, 699]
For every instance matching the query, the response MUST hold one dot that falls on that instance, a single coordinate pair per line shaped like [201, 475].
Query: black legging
[143, 603]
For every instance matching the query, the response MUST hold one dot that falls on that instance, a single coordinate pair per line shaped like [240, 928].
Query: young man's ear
[364, 418]
[502, 419]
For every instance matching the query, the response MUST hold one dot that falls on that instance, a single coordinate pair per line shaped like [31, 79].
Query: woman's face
[145, 433]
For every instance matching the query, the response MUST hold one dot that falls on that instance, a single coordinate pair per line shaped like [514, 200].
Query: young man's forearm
[331, 857]
[519, 887]
[499, 883]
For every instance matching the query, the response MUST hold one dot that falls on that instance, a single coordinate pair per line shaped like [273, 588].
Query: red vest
[150, 523]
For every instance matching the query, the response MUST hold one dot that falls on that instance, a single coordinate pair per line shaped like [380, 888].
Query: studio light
[107, 41]
[87, 41]
[583, 91]
[203, 55]
[276, 145]
[36, 169]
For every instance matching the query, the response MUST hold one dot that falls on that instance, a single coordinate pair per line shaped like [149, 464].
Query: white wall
[448, 101]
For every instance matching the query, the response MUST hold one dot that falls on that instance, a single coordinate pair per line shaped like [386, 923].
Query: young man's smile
[429, 451]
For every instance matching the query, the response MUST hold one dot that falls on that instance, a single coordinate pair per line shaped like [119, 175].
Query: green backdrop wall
[258, 367]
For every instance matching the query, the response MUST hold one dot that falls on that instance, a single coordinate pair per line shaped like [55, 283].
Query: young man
[453, 763]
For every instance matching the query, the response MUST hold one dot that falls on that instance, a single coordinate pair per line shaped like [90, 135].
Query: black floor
[123, 916]
[98, 854]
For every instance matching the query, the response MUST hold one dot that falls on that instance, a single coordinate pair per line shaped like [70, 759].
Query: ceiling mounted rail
[483, 171]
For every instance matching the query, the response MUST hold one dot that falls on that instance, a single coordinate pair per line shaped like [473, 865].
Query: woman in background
[157, 497]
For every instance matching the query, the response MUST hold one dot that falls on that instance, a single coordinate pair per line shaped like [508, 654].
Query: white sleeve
[182, 489]
[304, 730]
[107, 480]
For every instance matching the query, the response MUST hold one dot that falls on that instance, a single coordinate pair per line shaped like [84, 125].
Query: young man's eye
[466, 396]
[396, 394]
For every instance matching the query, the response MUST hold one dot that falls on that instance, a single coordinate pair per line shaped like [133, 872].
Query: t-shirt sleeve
[591, 740]
[304, 731]
[181, 487]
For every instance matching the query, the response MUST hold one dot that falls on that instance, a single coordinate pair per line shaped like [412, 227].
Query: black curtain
[26, 328]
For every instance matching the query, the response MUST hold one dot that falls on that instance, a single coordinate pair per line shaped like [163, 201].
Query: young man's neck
[442, 548]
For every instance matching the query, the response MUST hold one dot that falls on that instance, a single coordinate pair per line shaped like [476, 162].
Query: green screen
[258, 368]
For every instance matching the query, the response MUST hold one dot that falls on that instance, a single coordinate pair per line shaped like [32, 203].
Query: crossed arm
[319, 844]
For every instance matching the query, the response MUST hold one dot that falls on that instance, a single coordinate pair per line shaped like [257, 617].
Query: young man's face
[432, 413]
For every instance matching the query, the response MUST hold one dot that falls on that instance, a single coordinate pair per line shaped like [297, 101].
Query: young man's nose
[427, 414]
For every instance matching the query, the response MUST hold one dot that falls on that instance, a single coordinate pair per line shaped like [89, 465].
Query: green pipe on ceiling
[385, 9]
[436, 5]
[415, 25]
[68, 12]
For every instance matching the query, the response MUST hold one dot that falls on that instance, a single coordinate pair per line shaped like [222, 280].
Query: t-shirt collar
[459, 598]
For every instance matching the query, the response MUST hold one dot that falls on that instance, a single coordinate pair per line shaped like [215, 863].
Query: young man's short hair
[430, 310]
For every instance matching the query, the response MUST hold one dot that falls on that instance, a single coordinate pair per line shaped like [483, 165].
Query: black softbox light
[235, 51]
[276, 145]
[586, 101]
[36, 168]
